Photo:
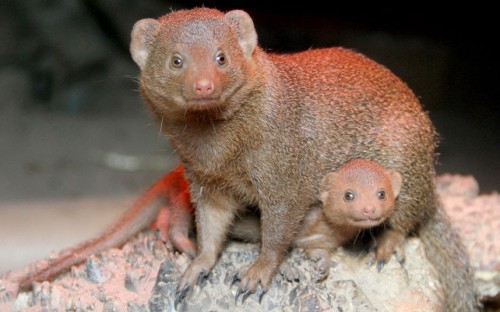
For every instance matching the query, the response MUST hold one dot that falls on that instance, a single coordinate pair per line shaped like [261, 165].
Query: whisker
[372, 236]
[161, 126]
[356, 238]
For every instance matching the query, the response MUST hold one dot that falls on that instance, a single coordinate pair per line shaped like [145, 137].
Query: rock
[352, 286]
[94, 271]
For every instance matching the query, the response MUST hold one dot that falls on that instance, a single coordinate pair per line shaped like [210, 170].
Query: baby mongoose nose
[369, 210]
[204, 87]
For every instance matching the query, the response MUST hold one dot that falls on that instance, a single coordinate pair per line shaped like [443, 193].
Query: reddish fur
[172, 189]
[338, 221]
[272, 125]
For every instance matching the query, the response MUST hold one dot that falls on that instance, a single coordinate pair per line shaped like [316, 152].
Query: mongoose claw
[245, 296]
[180, 295]
[380, 265]
[202, 277]
[400, 255]
[238, 293]
[372, 257]
[246, 293]
[260, 293]
[236, 277]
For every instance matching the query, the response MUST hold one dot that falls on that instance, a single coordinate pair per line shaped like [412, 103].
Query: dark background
[69, 90]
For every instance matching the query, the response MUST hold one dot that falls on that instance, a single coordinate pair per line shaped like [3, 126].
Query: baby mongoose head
[360, 193]
[195, 60]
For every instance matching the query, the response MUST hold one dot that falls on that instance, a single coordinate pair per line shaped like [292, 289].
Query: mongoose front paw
[256, 279]
[321, 259]
[289, 272]
[390, 243]
[196, 273]
[183, 288]
[321, 269]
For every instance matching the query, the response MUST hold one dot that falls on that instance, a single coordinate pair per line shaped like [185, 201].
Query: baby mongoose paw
[372, 260]
[400, 254]
[290, 273]
[321, 259]
[390, 243]
[321, 270]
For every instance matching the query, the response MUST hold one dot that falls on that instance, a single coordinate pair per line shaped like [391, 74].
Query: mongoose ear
[396, 181]
[141, 37]
[326, 185]
[247, 36]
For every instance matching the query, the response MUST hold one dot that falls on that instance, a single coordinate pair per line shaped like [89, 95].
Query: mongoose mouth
[202, 103]
[366, 223]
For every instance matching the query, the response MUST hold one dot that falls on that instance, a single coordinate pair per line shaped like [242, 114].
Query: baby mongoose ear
[247, 36]
[141, 37]
[396, 181]
[326, 185]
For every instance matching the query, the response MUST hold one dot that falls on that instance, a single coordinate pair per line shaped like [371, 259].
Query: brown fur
[263, 129]
[340, 220]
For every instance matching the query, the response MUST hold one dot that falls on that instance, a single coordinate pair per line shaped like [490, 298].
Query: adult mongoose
[262, 129]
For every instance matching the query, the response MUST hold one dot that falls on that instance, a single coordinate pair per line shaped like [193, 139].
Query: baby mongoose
[360, 195]
[260, 129]
[357, 196]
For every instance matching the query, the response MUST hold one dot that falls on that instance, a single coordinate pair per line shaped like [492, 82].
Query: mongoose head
[360, 193]
[196, 60]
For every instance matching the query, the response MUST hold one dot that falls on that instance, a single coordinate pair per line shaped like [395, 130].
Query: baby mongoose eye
[349, 196]
[221, 58]
[177, 61]
[381, 194]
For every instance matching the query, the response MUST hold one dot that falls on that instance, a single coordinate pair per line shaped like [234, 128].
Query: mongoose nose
[369, 210]
[203, 87]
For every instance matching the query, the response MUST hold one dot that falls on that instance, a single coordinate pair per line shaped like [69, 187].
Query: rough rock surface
[142, 275]
[477, 220]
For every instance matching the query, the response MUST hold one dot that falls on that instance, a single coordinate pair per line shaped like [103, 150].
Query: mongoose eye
[177, 61]
[381, 194]
[221, 58]
[349, 196]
